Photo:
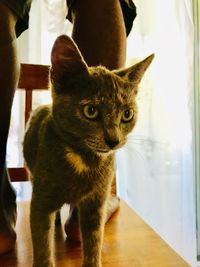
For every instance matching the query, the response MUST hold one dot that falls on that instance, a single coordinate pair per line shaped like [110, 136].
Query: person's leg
[9, 75]
[99, 31]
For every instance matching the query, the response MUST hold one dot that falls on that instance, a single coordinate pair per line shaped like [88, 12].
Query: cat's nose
[112, 143]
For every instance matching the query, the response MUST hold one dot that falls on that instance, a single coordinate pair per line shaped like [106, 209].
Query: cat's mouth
[103, 151]
[97, 148]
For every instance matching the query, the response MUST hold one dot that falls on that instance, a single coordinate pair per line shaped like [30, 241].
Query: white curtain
[47, 21]
[156, 169]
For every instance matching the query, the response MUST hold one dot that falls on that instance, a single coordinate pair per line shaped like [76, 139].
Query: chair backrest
[32, 77]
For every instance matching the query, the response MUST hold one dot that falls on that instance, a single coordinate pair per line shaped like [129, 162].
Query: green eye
[127, 115]
[90, 112]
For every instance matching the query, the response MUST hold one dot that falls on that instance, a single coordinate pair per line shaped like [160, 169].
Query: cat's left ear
[66, 59]
[135, 73]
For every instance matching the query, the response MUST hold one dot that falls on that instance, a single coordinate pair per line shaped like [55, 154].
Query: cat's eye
[90, 112]
[127, 115]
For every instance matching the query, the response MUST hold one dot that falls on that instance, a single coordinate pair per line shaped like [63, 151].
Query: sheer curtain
[47, 21]
[156, 169]
[197, 117]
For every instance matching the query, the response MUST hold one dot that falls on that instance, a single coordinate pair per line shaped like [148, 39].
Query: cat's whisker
[146, 140]
[138, 154]
[147, 143]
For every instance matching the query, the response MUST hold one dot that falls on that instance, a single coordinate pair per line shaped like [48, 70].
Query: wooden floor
[128, 242]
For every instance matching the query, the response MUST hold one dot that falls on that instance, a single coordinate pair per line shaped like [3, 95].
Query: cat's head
[94, 109]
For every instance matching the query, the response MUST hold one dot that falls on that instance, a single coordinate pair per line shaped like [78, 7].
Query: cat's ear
[66, 59]
[135, 73]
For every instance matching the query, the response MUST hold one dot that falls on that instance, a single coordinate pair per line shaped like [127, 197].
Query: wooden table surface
[128, 242]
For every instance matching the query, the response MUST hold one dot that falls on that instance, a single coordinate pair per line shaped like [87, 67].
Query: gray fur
[71, 157]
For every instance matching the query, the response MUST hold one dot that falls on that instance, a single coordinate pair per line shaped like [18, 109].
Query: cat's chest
[68, 176]
[86, 165]
[79, 176]
[78, 163]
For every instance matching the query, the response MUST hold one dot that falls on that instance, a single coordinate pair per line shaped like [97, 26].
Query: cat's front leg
[92, 220]
[42, 229]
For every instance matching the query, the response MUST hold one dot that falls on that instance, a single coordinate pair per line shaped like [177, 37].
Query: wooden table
[128, 242]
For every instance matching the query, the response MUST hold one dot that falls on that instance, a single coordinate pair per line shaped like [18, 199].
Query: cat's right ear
[66, 59]
[135, 73]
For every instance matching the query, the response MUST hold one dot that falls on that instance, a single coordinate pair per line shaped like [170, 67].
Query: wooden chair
[32, 77]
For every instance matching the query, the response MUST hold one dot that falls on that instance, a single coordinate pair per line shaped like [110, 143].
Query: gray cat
[69, 146]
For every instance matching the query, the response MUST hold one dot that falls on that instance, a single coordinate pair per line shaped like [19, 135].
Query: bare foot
[8, 215]
[72, 226]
